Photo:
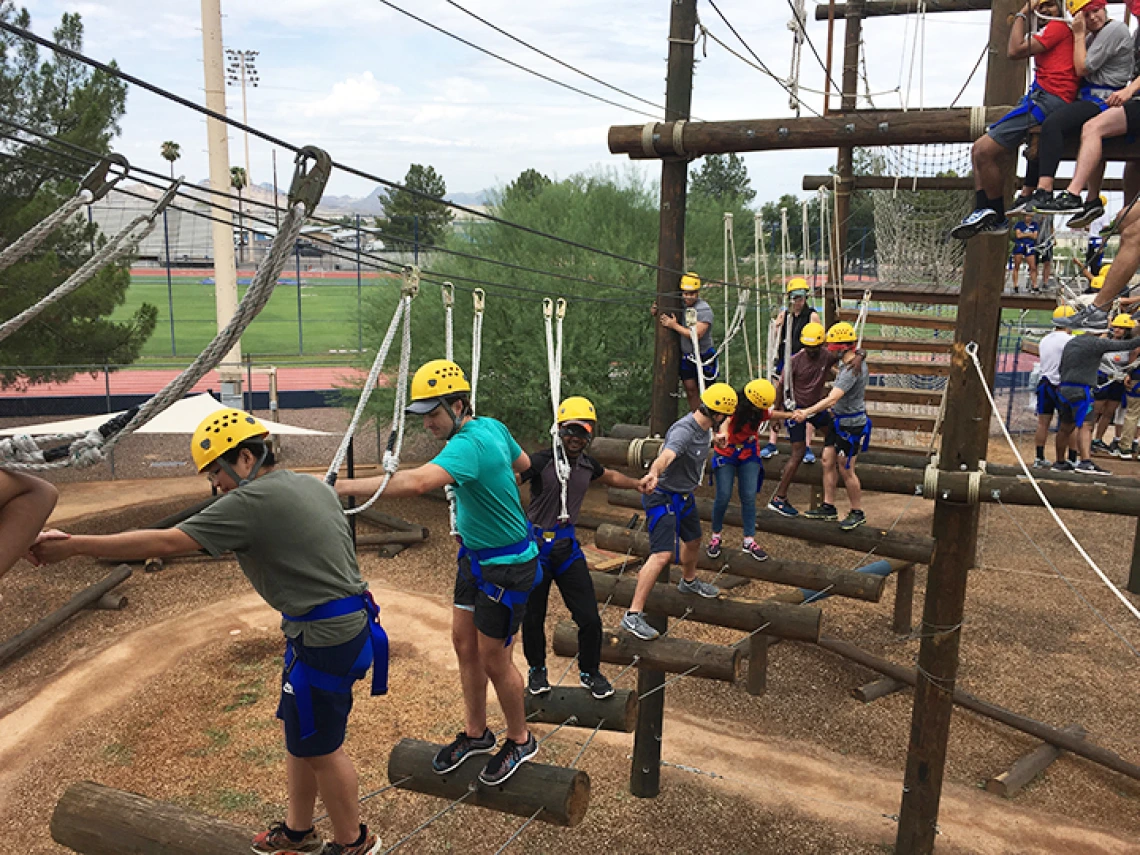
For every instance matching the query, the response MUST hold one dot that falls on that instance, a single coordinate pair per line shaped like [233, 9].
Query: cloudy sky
[381, 91]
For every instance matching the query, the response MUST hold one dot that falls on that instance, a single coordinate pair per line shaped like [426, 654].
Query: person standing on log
[1055, 84]
[1049, 352]
[702, 322]
[26, 502]
[498, 559]
[670, 510]
[293, 543]
[560, 556]
[791, 322]
[1108, 394]
[850, 430]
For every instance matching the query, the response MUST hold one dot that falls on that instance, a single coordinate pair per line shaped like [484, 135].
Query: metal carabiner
[309, 181]
[560, 308]
[96, 181]
[447, 291]
[411, 286]
[690, 318]
[165, 199]
[547, 308]
[479, 298]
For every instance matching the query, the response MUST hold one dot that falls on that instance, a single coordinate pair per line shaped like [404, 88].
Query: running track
[148, 382]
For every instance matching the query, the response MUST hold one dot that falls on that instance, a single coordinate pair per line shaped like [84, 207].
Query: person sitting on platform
[1049, 352]
[560, 556]
[1024, 250]
[671, 510]
[26, 502]
[791, 322]
[1054, 85]
[850, 430]
[703, 324]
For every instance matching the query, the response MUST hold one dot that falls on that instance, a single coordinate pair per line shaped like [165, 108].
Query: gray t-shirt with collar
[691, 443]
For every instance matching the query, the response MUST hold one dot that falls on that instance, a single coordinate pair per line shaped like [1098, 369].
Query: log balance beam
[672, 655]
[562, 794]
[1027, 767]
[575, 706]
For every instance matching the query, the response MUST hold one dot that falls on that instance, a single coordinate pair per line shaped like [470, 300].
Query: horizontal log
[901, 319]
[878, 8]
[1033, 348]
[16, 645]
[406, 538]
[908, 345]
[865, 539]
[615, 452]
[617, 712]
[908, 366]
[900, 421]
[184, 514]
[900, 292]
[627, 431]
[375, 517]
[1044, 732]
[96, 820]
[899, 395]
[562, 794]
[797, 622]
[672, 655]
[966, 182]
[154, 565]
[862, 128]
[111, 602]
[877, 689]
[1028, 766]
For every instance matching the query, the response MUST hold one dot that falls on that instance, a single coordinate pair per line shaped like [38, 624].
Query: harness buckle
[309, 181]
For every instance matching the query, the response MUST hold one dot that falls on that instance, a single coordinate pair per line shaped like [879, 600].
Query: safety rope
[758, 248]
[87, 449]
[479, 298]
[691, 323]
[553, 314]
[739, 322]
[724, 345]
[861, 318]
[447, 291]
[798, 36]
[123, 243]
[94, 186]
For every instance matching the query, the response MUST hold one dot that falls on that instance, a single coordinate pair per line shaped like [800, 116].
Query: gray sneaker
[701, 589]
[1089, 318]
[636, 624]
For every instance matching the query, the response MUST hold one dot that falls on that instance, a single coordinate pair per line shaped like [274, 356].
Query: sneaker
[462, 747]
[1001, 227]
[1063, 203]
[1087, 467]
[1100, 445]
[1089, 318]
[1128, 453]
[701, 589]
[1114, 448]
[782, 506]
[276, 841]
[598, 685]
[510, 757]
[1093, 211]
[536, 681]
[1062, 466]
[973, 223]
[713, 549]
[853, 520]
[768, 451]
[753, 549]
[809, 456]
[1041, 463]
[823, 512]
[636, 624]
[1020, 204]
[369, 846]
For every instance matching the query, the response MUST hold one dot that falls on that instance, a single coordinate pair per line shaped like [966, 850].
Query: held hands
[50, 547]
[648, 483]
[799, 416]
[668, 321]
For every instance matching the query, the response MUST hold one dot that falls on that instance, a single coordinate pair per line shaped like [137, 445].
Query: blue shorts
[797, 431]
[664, 533]
[330, 709]
[708, 362]
[1023, 247]
[1046, 397]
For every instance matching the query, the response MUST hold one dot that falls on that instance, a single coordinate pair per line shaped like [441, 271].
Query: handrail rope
[757, 248]
[691, 322]
[972, 352]
[479, 305]
[552, 312]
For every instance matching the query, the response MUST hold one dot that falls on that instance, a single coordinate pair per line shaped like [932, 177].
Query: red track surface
[147, 382]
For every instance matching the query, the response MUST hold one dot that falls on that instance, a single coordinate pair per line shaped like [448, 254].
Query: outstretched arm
[613, 478]
[406, 482]
[53, 546]
[25, 505]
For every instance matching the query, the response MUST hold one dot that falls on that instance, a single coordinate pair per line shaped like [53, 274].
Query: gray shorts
[1011, 130]
[666, 528]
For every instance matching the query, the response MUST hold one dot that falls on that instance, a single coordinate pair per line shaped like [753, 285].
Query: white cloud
[355, 95]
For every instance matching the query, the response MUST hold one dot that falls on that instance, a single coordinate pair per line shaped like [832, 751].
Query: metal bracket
[166, 198]
[447, 291]
[96, 181]
[479, 298]
[560, 308]
[309, 181]
[690, 318]
[411, 275]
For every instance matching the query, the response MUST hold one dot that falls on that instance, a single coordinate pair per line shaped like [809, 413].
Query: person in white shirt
[1049, 356]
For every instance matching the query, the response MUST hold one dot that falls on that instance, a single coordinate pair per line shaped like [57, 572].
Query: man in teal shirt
[498, 564]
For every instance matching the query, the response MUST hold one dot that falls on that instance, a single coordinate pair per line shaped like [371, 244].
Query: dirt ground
[174, 698]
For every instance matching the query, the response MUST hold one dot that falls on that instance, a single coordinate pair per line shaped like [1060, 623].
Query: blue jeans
[751, 475]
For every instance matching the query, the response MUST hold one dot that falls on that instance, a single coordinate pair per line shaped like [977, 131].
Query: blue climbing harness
[511, 598]
[546, 540]
[734, 459]
[678, 505]
[1046, 395]
[1096, 95]
[860, 441]
[1025, 106]
[304, 678]
[1082, 408]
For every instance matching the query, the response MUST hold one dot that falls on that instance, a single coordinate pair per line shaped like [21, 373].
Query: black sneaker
[1020, 204]
[1063, 203]
[1101, 446]
[1087, 467]
[1062, 466]
[1093, 211]
[853, 520]
[536, 682]
[1038, 200]
[598, 685]
[1114, 448]
[998, 227]
[823, 512]
[462, 747]
[510, 757]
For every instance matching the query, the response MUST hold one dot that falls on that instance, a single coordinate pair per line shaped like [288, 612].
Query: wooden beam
[899, 395]
[560, 795]
[900, 319]
[942, 296]
[879, 8]
[909, 345]
[672, 655]
[1027, 767]
[758, 646]
[902, 616]
[384, 538]
[812, 183]
[908, 366]
[876, 689]
[617, 712]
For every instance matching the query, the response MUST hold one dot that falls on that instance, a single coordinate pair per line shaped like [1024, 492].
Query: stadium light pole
[241, 70]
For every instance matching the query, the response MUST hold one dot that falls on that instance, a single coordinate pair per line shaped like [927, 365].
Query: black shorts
[1132, 116]
[842, 445]
[797, 431]
[1046, 397]
[667, 529]
[688, 369]
[1113, 391]
[494, 619]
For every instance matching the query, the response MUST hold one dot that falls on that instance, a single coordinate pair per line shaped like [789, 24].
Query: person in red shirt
[1055, 84]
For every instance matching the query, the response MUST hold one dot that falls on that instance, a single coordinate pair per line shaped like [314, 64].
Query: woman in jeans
[735, 456]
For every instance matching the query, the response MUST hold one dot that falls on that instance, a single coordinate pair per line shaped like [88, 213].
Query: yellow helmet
[720, 398]
[812, 334]
[220, 432]
[1124, 322]
[1076, 6]
[1063, 312]
[761, 393]
[1103, 200]
[577, 409]
[841, 333]
[797, 284]
[690, 282]
[432, 382]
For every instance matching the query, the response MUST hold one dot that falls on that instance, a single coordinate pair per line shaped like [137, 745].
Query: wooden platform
[896, 395]
[893, 421]
[943, 296]
[900, 319]
[908, 366]
[906, 345]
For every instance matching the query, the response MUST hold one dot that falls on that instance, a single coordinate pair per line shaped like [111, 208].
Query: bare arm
[25, 504]
[1080, 52]
[406, 482]
[649, 483]
[521, 463]
[613, 478]
[125, 546]
[827, 403]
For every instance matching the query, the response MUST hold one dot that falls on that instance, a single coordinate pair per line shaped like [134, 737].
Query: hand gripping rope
[123, 243]
[391, 460]
[94, 187]
[479, 299]
[87, 449]
[550, 311]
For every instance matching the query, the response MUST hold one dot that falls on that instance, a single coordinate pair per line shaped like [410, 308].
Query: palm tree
[171, 151]
[239, 181]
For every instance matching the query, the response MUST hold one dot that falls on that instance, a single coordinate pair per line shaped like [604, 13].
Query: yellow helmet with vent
[812, 334]
[220, 432]
[761, 393]
[577, 409]
[841, 333]
[1124, 322]
[797, 284]
[432, 382]
[690, 282]
[720, 398]
[1062, 312]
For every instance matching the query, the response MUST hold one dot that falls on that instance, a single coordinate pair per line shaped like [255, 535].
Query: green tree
[63, 98]
[410, 216]
[723, 177]
[529, 184]
[171, 151]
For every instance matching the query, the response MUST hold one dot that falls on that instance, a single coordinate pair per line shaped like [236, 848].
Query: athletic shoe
[636, 624]
[809, 456]
[1063, 203]
[1062, 466]
[769, 450]
[1001, 227]
[510, 757]
[701, 589]
[462, 747]
[1087, 467]
[536, 681]
[713, 549]
[1114, 448]
[1101, 446]
[369, 846]
[753, 549]
[1041, 463]
[1128, 453]
[1093, 211]
[782, 506]
[974, 222]
[1020, 204]
[823, 512]
[276, 841]
[853, 520]
[598, 685]
[1089, 318]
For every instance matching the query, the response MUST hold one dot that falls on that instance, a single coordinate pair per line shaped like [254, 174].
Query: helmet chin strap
[241, 482]
[455, 421]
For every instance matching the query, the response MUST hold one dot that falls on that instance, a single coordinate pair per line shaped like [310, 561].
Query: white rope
[737, 324]
[972, 351]
[805, 238]
[447, 291]
[861, 320]
[479, 299]
[727, 237]
[757, 249]
[553, 312]
[691, 323]
[798, 35]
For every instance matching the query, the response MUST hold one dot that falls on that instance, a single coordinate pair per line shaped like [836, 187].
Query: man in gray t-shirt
[850, 431]
[698, 316]
[670, 511]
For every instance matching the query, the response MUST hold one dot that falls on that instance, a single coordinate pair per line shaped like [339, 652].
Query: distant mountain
[482, 197]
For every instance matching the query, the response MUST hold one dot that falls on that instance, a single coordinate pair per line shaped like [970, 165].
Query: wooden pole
[673, 655]
[758, 664]
[878, 689]
[184, 514]
[405, 538]
[902, 619]
[1134, 569]
[563, 703]
[845, 163]
[1009, 783]
[649, 731]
